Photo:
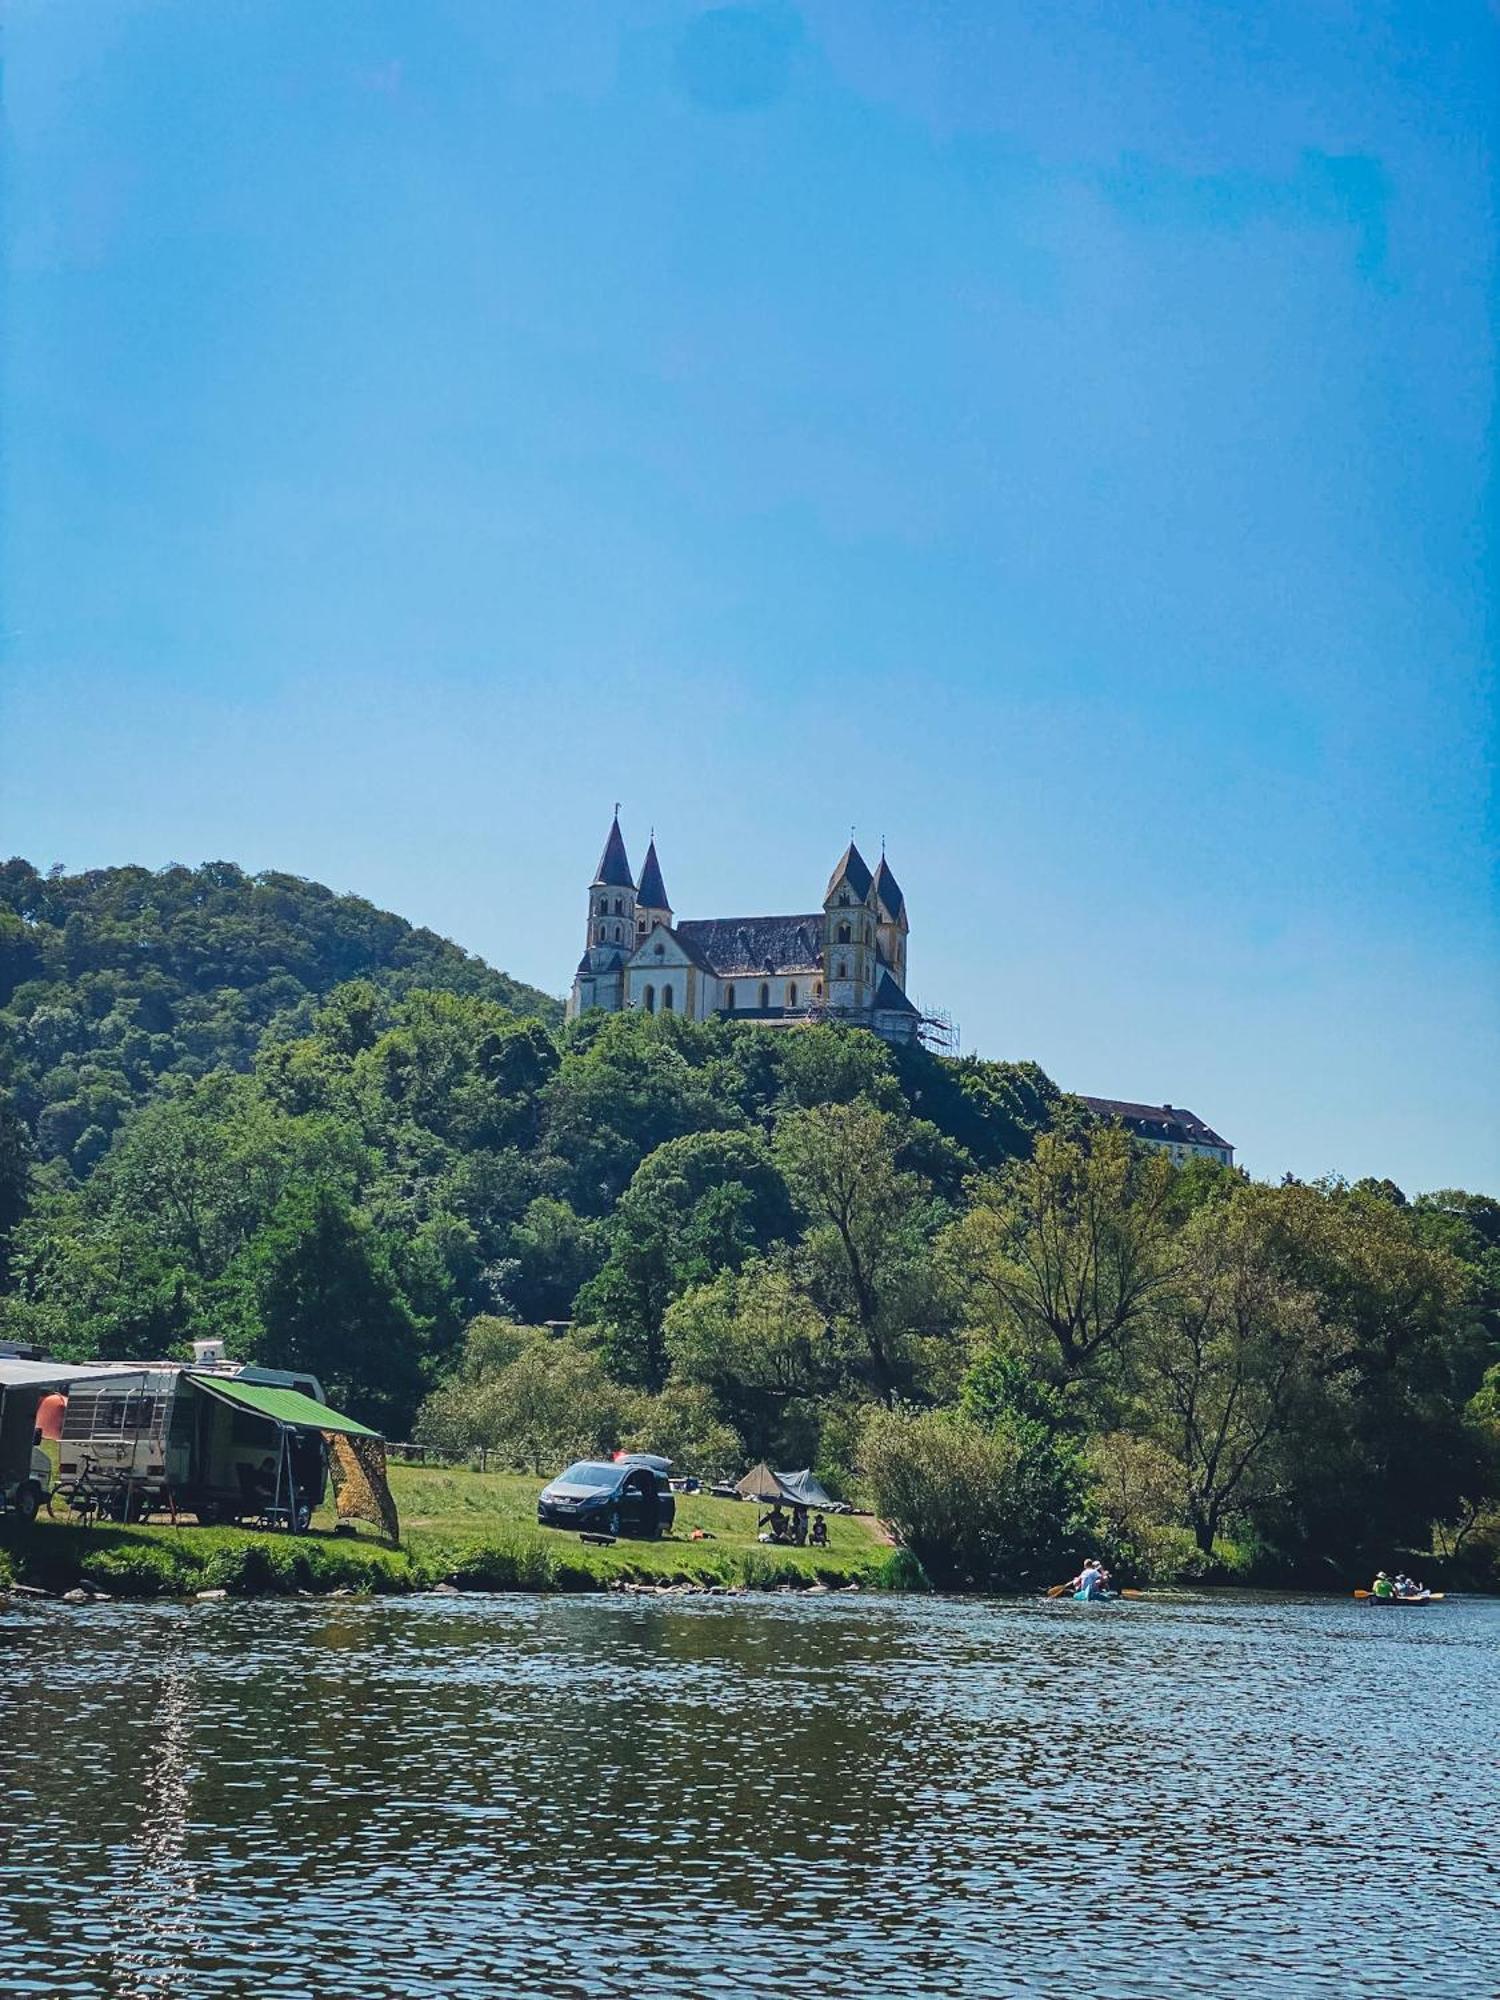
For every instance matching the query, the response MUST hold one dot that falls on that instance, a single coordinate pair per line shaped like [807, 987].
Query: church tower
[891, 924]
[651, 905]
[611, 933]
[849, 934]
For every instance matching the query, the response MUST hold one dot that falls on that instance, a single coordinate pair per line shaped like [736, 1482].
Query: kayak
[1095, 1596]
[1427, 1597]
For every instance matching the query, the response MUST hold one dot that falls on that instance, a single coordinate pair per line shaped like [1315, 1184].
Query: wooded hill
[253, 1109]
[114, 980]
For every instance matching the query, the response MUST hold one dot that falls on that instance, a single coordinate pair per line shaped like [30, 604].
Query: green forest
[244, 1106]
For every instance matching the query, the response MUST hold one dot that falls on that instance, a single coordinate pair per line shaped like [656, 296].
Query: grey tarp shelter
[23, 1383]
[792, 1489]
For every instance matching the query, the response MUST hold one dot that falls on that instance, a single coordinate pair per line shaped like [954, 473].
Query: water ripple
[444, 1798]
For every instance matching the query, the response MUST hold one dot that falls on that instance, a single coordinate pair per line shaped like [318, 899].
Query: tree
[1227, 1346]
[698, 1205]
[315, 1291]
[865, 1241]
[1066, 1250]
[551, 1403]
[757, 1344]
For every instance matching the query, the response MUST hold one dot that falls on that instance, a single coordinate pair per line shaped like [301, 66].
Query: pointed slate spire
[613, 871]
[652, 894]
[889, 890]
[851, 869]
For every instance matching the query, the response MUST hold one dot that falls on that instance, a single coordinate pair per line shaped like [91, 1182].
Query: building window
[618, 934]
[729, 998]
[604, 906]
[650, 999]
[844, 899]
[817, 989]
[602, 929]
[666, 999]
[791, 994]
[843, 971]
[843, 933]
[661, 951]
[765, 995]
[619, 907]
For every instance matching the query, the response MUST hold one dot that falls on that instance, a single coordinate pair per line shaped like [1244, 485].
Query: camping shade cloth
[18, 1374]
[793, 1489]
[282, 1406]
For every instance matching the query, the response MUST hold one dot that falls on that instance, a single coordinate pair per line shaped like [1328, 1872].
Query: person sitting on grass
[819, 1536]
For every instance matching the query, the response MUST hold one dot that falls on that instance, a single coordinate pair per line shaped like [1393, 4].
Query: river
[537, 1798]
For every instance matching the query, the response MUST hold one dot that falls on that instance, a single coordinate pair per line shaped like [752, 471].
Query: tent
[792, 1489]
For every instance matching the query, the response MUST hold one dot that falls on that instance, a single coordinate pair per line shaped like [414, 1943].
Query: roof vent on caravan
[208, 1353]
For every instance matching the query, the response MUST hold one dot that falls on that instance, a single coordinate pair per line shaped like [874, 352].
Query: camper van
[206, 1439]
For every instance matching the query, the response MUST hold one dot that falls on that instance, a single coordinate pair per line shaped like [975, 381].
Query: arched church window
[618, 934]
[649, 996]
[791, 994]
[844, 898]
[602, 929]
[661, 951]
[844, 933]
[619, 907]
[666, 999]
[729, 998]
[817, 989]
[843, 971]
[765, 995]
[604, 906]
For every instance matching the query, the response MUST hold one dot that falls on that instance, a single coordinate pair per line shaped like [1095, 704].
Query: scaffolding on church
[938, 1031]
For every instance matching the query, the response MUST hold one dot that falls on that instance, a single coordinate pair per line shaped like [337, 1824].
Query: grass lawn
[478, 1530]
[448, 1507]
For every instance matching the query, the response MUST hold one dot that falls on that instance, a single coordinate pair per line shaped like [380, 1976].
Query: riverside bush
[979, 1508]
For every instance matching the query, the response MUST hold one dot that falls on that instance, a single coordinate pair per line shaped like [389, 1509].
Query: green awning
[282, 1406]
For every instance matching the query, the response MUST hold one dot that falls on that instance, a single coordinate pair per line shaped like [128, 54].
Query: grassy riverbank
[476, 1531]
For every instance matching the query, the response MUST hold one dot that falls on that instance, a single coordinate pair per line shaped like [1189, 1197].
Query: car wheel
[28, 1500]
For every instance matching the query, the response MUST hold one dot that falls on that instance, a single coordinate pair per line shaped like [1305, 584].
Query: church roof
[730, 945]
[889, 999]
[652, 894]
[851, 869]
[889, 890]
[613, 871]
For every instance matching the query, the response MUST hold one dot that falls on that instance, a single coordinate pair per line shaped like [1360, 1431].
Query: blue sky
[1051, 436]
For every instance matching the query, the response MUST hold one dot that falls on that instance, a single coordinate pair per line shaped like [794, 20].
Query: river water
[537, 1798]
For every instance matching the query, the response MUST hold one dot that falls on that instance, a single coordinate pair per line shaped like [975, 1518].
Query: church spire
[651, 898]
[613, 871]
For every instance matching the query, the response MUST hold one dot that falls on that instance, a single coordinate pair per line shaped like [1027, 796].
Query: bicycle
[100, 1489]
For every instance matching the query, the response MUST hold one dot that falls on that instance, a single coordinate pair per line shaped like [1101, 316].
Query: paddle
[1364, 1593]
[1058, 1589]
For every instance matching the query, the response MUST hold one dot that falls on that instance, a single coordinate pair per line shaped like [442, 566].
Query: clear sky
[1051, 435]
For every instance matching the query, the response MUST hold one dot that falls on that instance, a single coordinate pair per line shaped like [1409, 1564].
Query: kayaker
[1382, 1586]
[1090, 1580]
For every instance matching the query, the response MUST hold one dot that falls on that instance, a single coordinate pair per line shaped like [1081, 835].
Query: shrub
[978, 1508]
[901, 1571]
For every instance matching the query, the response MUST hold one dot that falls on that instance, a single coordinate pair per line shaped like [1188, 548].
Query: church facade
[843, 962]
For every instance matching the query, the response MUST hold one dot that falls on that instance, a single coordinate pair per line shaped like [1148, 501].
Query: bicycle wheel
[81, 1501]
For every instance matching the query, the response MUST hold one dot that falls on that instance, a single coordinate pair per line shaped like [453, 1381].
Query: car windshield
[584, 1474]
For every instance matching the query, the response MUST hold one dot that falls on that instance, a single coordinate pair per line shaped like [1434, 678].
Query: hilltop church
[843, 962]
